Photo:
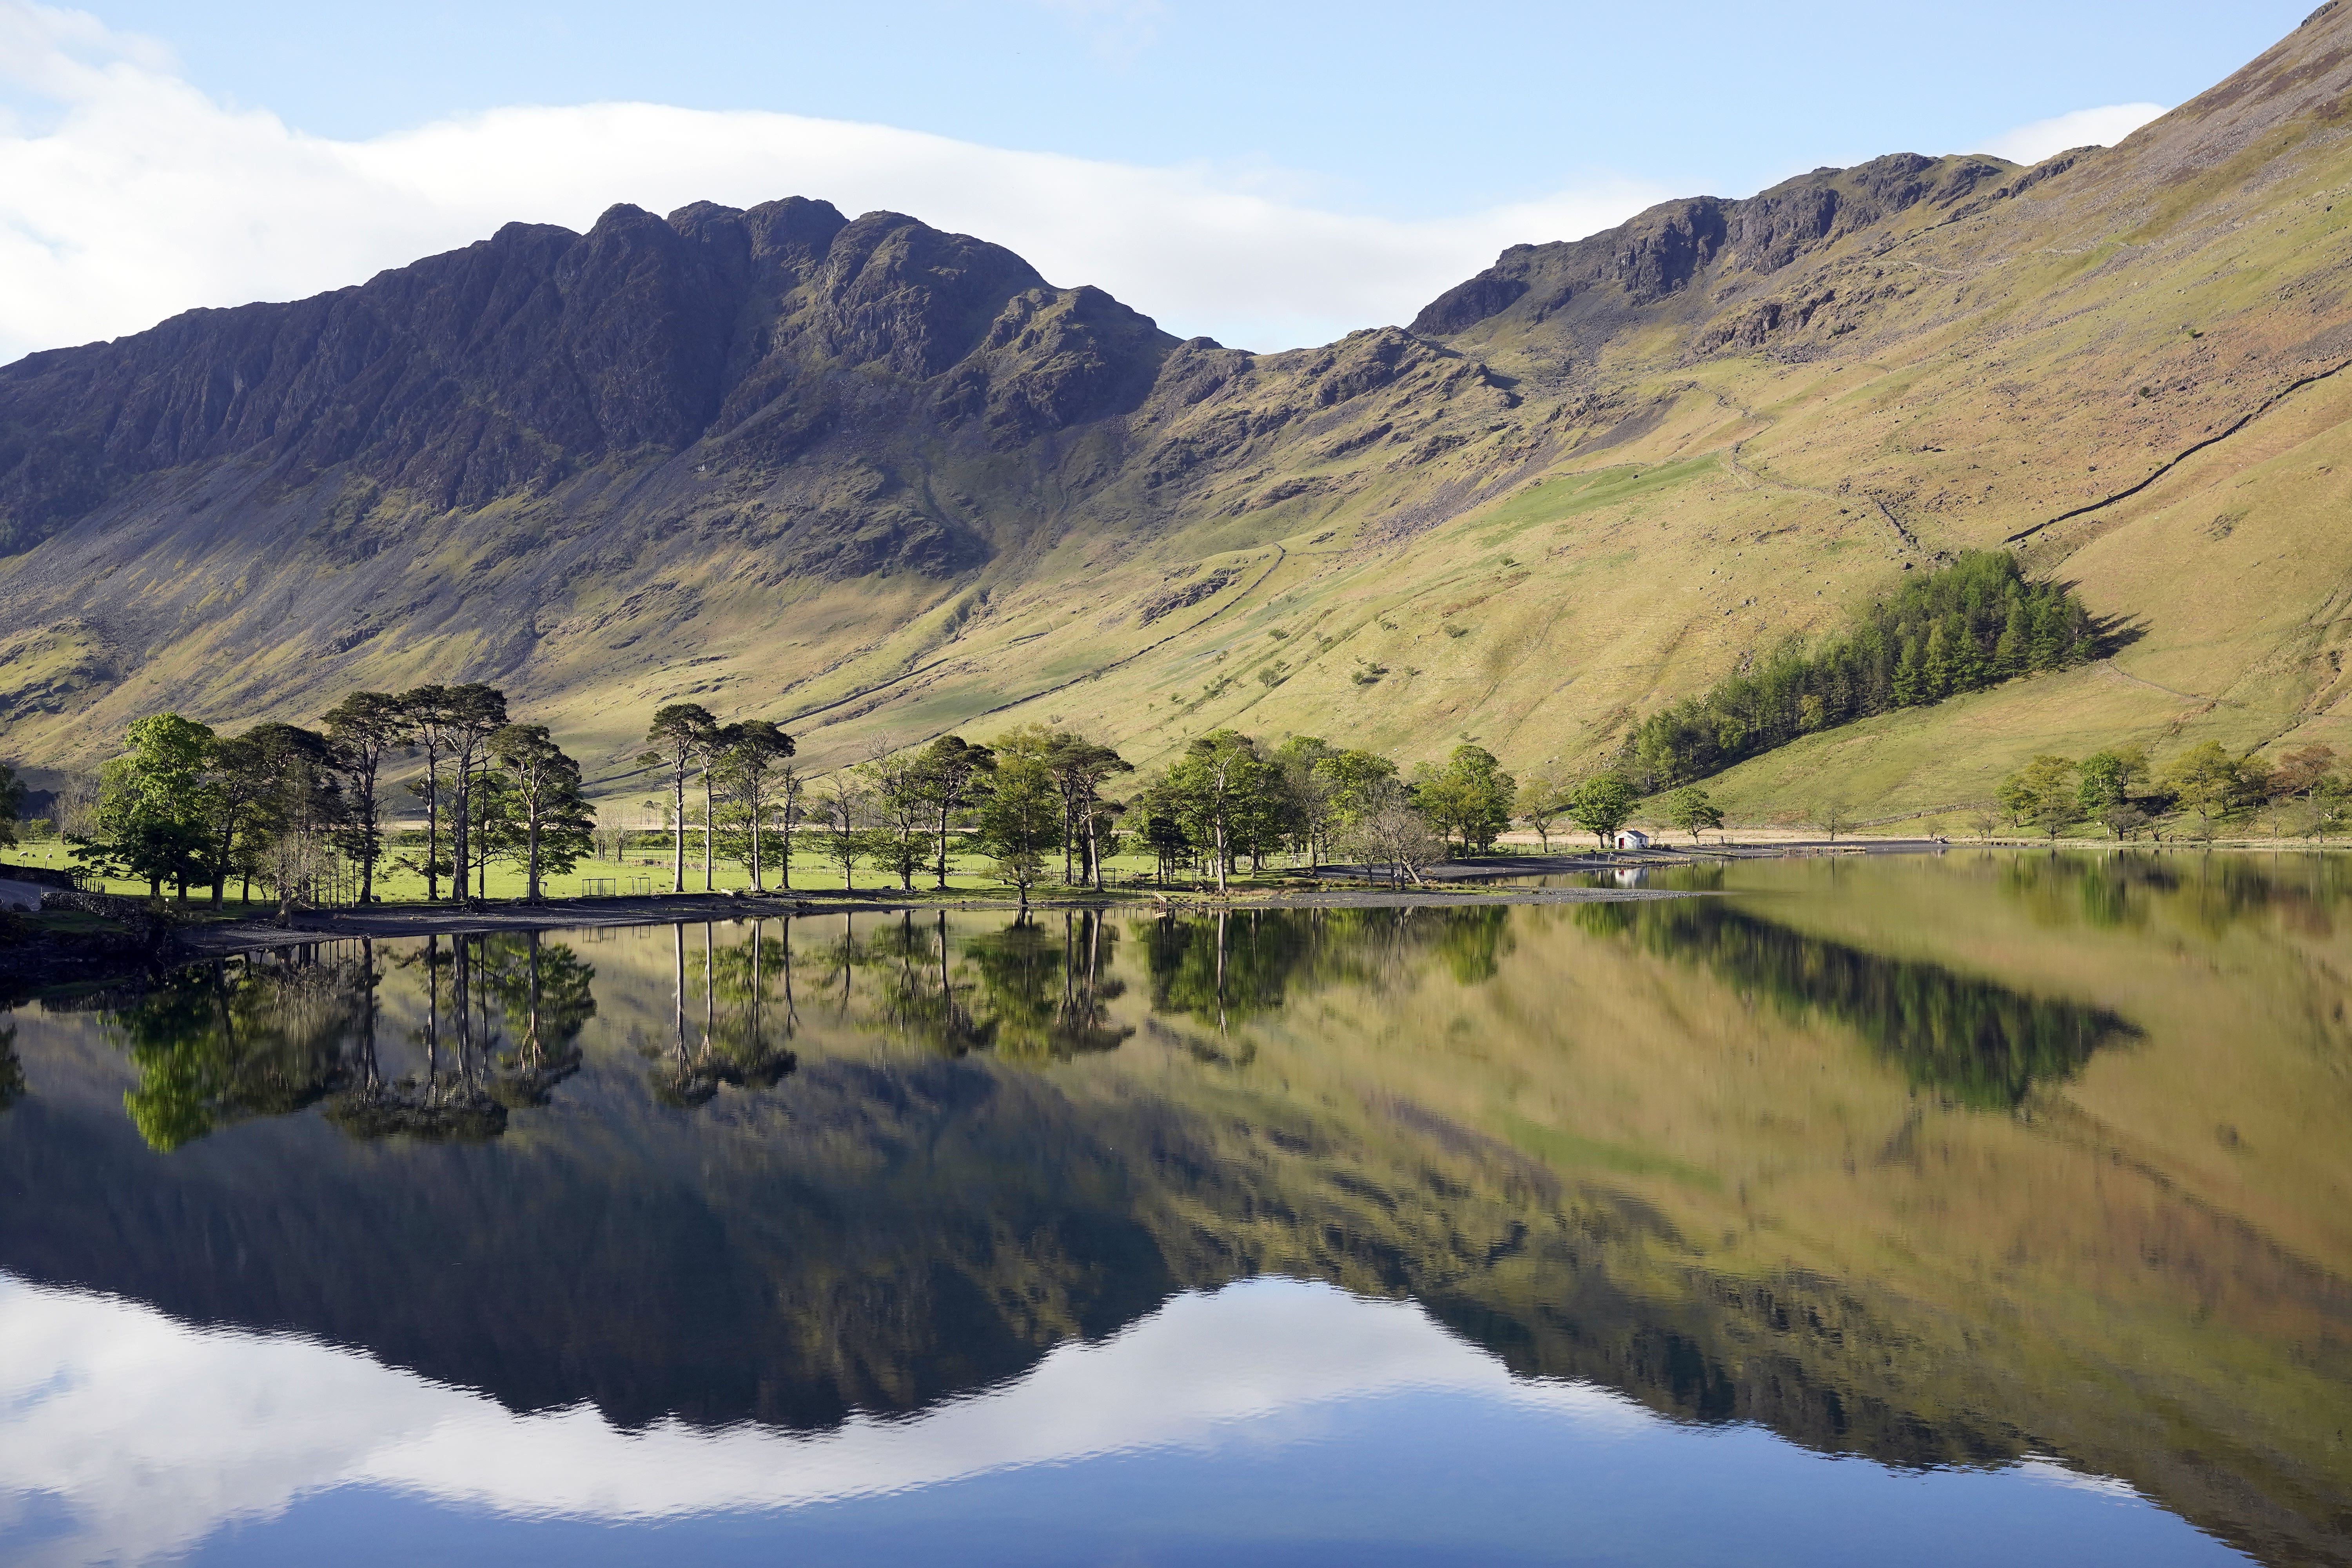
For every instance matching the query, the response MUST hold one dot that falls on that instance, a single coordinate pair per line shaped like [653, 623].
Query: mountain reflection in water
[1942, 1162]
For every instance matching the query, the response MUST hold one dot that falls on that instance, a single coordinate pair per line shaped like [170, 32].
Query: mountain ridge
[788, 462]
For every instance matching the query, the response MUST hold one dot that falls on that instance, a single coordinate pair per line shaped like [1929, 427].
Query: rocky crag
[880, 482]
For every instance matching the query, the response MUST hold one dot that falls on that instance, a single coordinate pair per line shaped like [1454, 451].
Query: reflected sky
[128, 1436]
[1986, 1204]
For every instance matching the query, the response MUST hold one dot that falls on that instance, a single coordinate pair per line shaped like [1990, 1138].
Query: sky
[1270, 174]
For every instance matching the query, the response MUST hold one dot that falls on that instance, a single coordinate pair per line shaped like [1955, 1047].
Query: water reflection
[237, 1038]
[2213, 891]
[807, 1174]
[1231, 966]
[1969, 1039]
[748, 1015]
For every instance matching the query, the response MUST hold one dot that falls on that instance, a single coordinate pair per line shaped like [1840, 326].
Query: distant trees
[680, 737]
[470, 715]
[365, 727]
[1020, 819]
[2041, 795]
[898, 840]
[1958, 629]
[1471, 797]
[1601, 805]
[1217, 787]
[300, 808]
[754, 770]
[948, 775]
[1390, 829]
[1542, 803]
[183, 805]
[2202, 790]
[152, 807]
[2105, 784]
[12, 803]
[1080, 768]
[545, 814]
[2208, 784]
[839, 806]
[299, 803]
[1693, 811]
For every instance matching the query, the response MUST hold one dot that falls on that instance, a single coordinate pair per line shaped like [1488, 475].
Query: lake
[1983, 1207]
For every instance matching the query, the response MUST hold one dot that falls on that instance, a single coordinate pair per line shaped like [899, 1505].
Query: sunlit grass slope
[1527, 530]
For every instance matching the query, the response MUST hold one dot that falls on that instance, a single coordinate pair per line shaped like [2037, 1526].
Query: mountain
[878, 480]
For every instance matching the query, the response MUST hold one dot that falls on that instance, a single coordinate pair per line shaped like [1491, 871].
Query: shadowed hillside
[875, 480]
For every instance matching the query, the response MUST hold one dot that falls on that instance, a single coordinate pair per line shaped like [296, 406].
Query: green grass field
[968, 876]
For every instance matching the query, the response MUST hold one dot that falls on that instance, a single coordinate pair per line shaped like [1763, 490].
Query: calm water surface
[1984, 1208]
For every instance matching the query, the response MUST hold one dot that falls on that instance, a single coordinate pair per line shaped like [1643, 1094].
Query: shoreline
[1452, 884]
[222, 940]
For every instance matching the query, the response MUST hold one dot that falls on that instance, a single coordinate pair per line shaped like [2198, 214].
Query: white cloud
[139, 196]
[2083, 128]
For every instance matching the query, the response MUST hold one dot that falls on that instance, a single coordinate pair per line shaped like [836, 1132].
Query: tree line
[1960, 629]
[1226, 801]
[2202, 790]
[293, 808]
[301, 810]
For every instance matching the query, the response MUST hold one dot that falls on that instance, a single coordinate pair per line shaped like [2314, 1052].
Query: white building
[1633, 838]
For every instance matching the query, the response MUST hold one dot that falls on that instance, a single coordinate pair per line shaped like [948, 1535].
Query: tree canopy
[1960, 629]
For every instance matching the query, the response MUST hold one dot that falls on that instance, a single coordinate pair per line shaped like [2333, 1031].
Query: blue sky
[1408, 108]
[1413, 138]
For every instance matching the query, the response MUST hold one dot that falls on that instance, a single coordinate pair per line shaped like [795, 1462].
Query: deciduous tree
[2206, 782]
[1020, 819]
[1471, 796]
[150, 817]
[1692, 810]
[1600, 805]
[2043, 794]
[1213, 784]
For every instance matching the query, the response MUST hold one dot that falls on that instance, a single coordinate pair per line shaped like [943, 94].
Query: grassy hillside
[1592, 482]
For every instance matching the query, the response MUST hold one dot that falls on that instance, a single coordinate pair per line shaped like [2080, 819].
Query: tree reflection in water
[269, 1034]
[1969, 1040]
[1229, 967]
[238, 1037]
[1048, 992]
[746, 1045]
[12, 1071]
[2210, 891]
[919, 1000]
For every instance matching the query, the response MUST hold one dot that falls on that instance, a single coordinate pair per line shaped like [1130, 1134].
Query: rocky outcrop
[1701, 243]
[503, 368]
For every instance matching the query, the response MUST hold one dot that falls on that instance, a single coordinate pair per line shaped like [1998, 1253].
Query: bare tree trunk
[459, 842]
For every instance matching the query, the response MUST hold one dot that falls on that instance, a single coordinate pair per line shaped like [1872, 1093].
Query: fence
[616, 886]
